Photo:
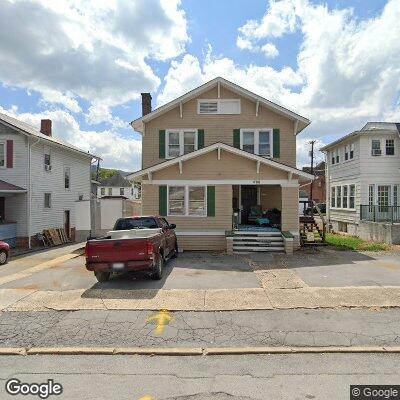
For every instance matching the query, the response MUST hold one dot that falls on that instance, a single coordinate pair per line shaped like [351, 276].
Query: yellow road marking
[162, 319]
[37, 268]
[147, 397]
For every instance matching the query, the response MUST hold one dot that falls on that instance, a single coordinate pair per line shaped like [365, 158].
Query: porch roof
[220, 146]
[6, 187]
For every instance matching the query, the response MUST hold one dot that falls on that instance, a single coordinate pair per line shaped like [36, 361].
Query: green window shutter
[200, 138]
[276, 143]
[236, 138]
[162, 200]
[161, 143]
[210, 201]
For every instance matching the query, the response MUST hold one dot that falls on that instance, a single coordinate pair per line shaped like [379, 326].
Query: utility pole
[312, 173]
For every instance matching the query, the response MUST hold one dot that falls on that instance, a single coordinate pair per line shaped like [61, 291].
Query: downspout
[30, 190]
[327, 191]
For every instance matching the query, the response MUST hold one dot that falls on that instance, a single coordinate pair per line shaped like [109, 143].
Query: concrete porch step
[257, 238]
[258, 248]
[254, 233]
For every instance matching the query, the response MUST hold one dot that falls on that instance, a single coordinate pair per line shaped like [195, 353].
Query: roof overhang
[219, 147]
[300, 121]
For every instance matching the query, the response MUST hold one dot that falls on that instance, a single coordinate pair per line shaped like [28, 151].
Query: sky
[83, 64]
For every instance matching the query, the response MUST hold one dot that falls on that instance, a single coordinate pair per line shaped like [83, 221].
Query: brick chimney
[146, 104]
[45, 127]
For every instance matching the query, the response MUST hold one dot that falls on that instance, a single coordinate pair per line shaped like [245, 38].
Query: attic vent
[208, 107]
[219, 106]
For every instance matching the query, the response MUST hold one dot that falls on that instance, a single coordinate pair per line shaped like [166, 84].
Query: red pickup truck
[135, 244]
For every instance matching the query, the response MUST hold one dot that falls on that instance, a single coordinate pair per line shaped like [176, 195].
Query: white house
[363, 182]
[117, 186]
[41, 179]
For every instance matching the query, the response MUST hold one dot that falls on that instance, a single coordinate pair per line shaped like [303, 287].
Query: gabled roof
[221, 146]
[366, 129]
[29, 130]
[116, 180]
[303, 122]
[6, 187]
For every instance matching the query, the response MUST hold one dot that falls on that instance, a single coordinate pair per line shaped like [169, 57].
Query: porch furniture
[264, 221]
[255, 213]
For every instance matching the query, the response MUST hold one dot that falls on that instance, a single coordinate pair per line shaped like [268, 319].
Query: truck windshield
[135, 223]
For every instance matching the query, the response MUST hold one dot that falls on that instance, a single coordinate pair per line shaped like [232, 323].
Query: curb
[193, 351]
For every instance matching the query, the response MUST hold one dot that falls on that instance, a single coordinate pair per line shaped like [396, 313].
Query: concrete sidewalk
[199, 300]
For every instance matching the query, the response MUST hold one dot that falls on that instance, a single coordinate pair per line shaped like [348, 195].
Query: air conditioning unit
[376, 152]
[47, 167]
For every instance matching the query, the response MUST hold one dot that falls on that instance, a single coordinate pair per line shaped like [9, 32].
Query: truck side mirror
[172, 226]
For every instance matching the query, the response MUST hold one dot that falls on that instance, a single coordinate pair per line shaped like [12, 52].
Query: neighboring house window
[376, 148]
[337, 156]
[179, 142]
[345, 194]
[338, 197]
[333, 158]
[352, 190]
[218, 106]
[383, 195]
[257, 141]
[67, 177]
[102, 191]
[395, 196]
[390, 147]
[47, 200]
[110, 191]
[132, 192]
[3, 155]
[351, 155]
[371, 197]
[346, 152]
[121, 191]
[187, 200]
[47, 158]
[333, 198]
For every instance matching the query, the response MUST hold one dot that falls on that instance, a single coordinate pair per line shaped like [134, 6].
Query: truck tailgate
[114, 250]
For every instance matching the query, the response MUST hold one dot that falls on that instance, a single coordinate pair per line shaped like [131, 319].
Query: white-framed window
[257, 141]
[337, 156]
[3, 154]
[333, 197]
[187, 201]
[383, 195]
[345, 191]
[102, 191]
[351, 154]
[338, 197]
[180, 141]
[122, 191]
[47, 158]
[110, 191]
[396, 195]
[67, 177]
[376, 147]
[47, 200]
[346, 152]
[389, 147]
[352, 196]
[333, 157]
[218, 106]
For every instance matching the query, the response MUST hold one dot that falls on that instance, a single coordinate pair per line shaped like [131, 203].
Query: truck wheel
[157, 275]
[3, 257]
[102, 276]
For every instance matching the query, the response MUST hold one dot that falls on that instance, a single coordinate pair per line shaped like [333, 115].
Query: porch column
[290, 209]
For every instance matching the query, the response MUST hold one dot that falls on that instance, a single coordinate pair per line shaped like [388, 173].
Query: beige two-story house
[221, 159]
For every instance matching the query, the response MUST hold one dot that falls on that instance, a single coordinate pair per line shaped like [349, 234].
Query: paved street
[201, 329]
[246, 377]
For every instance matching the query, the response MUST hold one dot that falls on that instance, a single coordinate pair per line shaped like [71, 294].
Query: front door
[249, 200]
[67, 222]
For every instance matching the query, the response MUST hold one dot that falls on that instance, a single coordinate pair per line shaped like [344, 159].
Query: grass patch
[354, 243]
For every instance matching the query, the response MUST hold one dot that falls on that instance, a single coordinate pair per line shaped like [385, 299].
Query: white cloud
[270, 50]
[115, 150]
[71, 49]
